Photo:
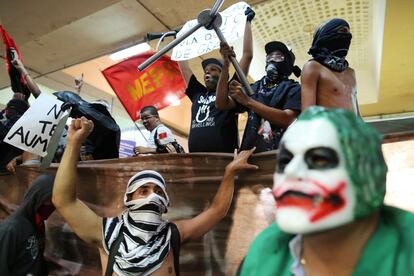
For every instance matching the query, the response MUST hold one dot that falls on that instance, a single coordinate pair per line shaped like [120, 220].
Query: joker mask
[330, 171]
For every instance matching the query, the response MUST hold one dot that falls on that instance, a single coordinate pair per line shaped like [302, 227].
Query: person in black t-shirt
[213, 130]
[275, 103]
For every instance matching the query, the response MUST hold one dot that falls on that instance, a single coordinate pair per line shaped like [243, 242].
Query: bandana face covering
[330, 46]
[146, 235]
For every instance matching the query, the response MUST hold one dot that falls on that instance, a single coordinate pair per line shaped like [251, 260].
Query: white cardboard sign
[33, 131]
[204, 41]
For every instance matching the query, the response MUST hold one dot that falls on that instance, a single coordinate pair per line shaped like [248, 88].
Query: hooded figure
[145, 232]
[22, 234]
[331, 43]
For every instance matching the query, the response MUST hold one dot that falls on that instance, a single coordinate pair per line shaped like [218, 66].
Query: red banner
[159, 85]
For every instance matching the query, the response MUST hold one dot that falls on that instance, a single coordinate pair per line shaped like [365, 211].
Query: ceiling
[62, 39]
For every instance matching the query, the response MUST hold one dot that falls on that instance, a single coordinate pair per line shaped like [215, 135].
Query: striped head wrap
[146, 234]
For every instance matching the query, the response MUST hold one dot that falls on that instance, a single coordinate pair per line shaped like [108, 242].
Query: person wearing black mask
[213, 130]
[327, 80]
[22, 234]
[275, 103]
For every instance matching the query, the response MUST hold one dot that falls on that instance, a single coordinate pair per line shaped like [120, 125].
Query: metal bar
[168, 47]
[215, 8]
[54, 141]
[239, 71]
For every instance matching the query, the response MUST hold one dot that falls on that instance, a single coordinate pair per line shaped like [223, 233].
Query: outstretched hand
[240, 162]
[78, 83]
[79, 129]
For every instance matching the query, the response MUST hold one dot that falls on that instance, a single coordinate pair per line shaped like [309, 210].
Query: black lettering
[45, 123]
[26, 138]
[56, 113]
[41, 141]
[52, 130]
[19, 131]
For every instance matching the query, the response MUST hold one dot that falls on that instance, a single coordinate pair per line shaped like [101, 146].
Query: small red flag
[18, 82]
[157, 85]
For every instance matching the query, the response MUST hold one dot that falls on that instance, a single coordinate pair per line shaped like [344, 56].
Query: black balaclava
[16, 107]
[39, 193]
[277, 71]
[330, 47]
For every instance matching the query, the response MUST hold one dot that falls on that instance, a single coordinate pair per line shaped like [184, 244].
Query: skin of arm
[140, 150]
[84, 222]
[223, 101]
[195, 228]
[309, 84]
[281, 118]
[17, 63]
[185, 71]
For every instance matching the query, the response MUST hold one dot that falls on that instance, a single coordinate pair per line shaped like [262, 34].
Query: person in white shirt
[161, 139]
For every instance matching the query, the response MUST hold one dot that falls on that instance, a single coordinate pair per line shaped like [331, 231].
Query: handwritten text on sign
[33, 131]
[204, 41]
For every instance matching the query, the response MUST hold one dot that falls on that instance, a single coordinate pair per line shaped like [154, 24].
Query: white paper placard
[204, 41]
[33, 131]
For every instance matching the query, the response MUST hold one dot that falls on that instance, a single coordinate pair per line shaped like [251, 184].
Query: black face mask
[276, 70]
[338, 44]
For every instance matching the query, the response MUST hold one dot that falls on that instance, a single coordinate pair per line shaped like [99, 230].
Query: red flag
[9, 43]
[157, 85]
[18, 82]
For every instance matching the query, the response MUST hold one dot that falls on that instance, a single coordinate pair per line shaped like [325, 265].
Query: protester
[15, 108]
[275, 102]
[22, 234]
[213, 130]
[327, 79]
[161, 139]
[148, 239]
[329, 188]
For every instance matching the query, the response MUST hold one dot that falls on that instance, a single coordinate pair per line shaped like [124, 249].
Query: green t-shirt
[389, 251]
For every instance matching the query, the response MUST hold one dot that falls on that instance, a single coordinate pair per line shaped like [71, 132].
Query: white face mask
[151, 199]
[311, 185]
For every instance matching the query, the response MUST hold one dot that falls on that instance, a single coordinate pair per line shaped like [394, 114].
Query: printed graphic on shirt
[203, 119]
[265, 130]
[162, 135]
[33, 246]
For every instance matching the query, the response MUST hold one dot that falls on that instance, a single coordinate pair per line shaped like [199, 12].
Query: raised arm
[280, 117]
[17, 63]
[247, 56]
[185, 71]
[309, 84]
[195, 228]
[84, 222]
[223, 101]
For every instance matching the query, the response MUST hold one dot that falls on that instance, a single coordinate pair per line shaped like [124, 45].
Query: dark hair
[151, 109]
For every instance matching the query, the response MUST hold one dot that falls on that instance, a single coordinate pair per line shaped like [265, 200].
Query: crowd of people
[329, 183]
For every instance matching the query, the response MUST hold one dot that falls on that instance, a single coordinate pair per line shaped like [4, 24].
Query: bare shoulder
[311, 68]
[312, 65]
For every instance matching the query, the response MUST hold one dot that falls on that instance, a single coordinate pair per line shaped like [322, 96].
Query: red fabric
[9, 43]
[155, 86]
[162, 135]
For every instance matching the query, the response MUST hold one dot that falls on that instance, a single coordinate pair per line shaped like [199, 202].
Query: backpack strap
[175, 242]
[112, 251]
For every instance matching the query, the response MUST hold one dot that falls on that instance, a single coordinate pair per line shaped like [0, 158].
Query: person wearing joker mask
[329, 188]
[22, 234]
[275, 102]
[327, 79]
[138, 241]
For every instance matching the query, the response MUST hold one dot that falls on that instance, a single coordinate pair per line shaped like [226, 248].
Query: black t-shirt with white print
[211, 130]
